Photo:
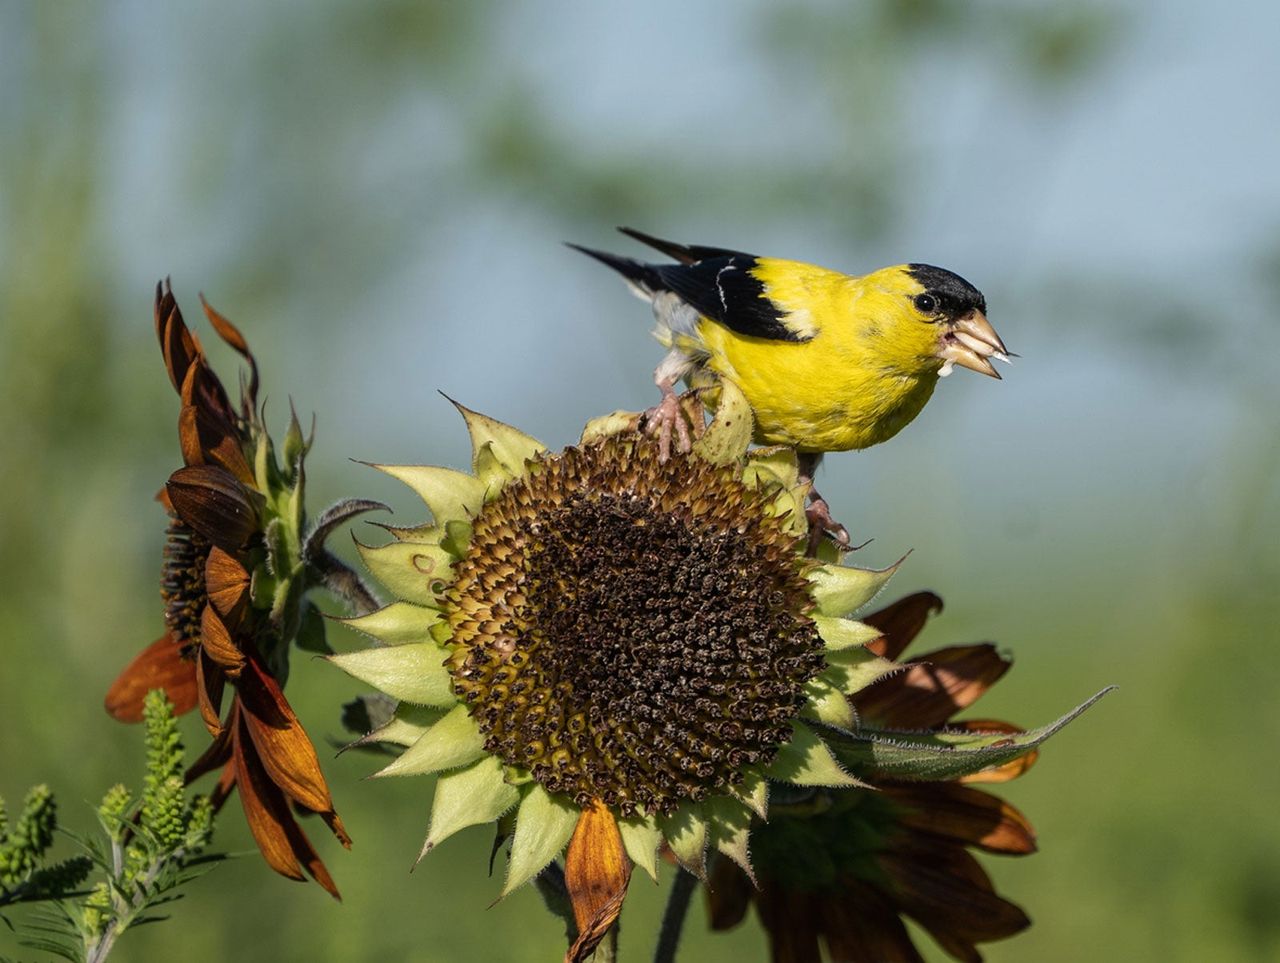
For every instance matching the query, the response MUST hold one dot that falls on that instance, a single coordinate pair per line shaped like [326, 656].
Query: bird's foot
[818, 515]
[670, 417]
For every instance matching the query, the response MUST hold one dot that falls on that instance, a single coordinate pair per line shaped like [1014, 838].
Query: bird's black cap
[955, 295]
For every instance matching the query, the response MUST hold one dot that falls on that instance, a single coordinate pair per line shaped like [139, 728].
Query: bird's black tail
[642, 276]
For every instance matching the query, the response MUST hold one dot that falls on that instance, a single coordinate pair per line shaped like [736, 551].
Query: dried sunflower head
[240, 559]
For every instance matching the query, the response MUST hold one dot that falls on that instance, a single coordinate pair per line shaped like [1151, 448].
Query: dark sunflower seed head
[182, 583]
[632, 631]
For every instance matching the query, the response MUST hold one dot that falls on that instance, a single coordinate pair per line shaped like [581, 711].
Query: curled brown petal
[229, 333]
[177, 343]
[793, 923]
[159, 666]
[968, 816]
[214, 503]
[900, 622]
[596, 874]
[283, 747]
[217, 643]
[943, 895]
[280, 839]
[226, 582]
[862, 926]
[933, 688]
[206, 439]
[209, 685]
[202, 389]
[264, 807]
[729, 894]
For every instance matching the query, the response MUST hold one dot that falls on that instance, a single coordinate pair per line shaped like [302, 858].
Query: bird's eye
[926, 303]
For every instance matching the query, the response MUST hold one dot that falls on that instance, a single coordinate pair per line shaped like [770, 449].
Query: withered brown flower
[238, 562]
[841, 868]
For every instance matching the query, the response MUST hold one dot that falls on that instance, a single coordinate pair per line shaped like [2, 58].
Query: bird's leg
[818, 512]
[663, 417]
[695, 412]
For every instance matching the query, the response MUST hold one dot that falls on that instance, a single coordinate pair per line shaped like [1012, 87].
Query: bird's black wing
[724, 290]
[716, 282]
[684, 253]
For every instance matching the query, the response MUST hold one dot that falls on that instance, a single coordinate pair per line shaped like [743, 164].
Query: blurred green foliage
[374, 192]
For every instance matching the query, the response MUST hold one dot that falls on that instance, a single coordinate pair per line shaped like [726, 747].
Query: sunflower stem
[673, 916]
[607, 951]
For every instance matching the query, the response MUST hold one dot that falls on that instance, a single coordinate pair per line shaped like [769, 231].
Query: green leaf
[844, 633]
[753, 792]
[852, 670]
[944, 754]
[397, 623]
[730, 823]
[509, 447]
[471, 796]
[827, 704]
[407, 726]
[840, 590]
[806, 761]
[450, 495]
[641, 838]
[415, 571]
[457, 537]
[452, 742]
[490, 471]
[729, 434]
[414, 672]
[686, 833]
[776, 465]
[544, 824]
[598, 429]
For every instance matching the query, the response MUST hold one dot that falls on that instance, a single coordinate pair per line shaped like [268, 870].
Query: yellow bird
[827, 361]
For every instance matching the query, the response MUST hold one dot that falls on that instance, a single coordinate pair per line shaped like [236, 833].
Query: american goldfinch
[827, 361]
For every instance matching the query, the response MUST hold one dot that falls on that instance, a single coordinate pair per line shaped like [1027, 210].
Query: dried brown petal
[178, 344]
[207, 439]
[159, 666]
[282, 744]
[901, 622]
[949, 895]
[792, 920]
[218, 644]
[729, 894]
[934, 687]
[282, 842]
[209, 685]
[968, 816]
[862, 926]
[264, 807]
[226, 585]
[229, 333]
[214, 503]
[597, 871]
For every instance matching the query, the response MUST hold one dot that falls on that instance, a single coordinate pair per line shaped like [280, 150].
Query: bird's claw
[818, 515]
[670, 416]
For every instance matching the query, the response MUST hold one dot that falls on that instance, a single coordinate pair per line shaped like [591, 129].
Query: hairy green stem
[673, 916]
[551, 887]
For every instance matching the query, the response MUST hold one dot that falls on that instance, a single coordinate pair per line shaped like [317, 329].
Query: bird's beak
[971, 342]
